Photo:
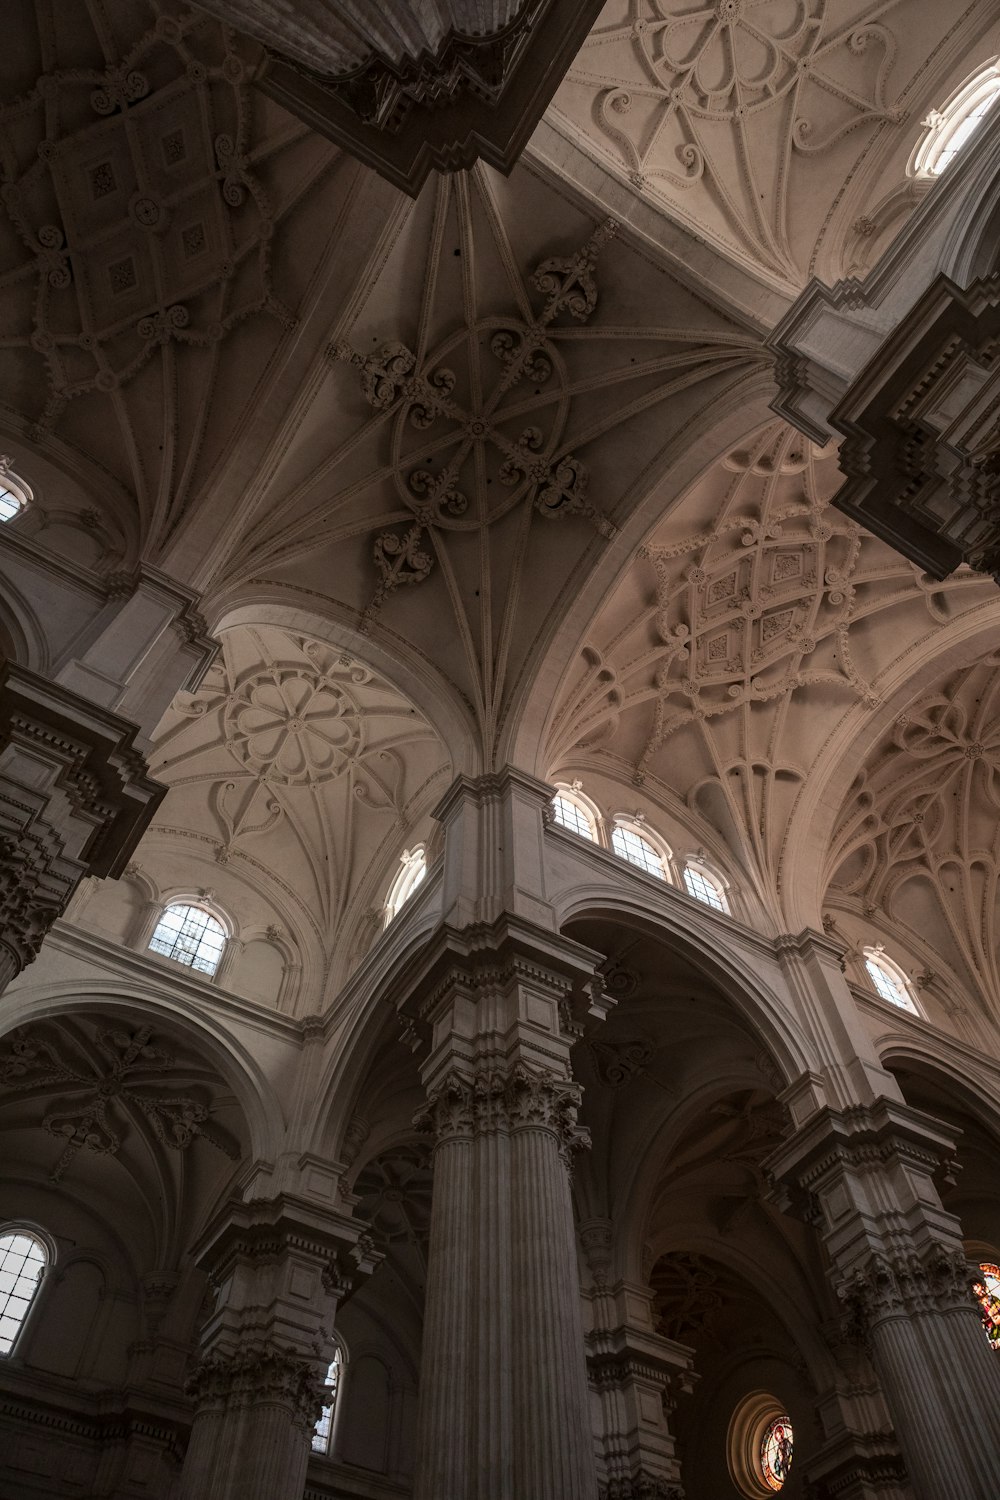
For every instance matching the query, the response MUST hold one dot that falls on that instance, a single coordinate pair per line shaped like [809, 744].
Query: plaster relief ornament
[472, 417]
[119, 1088]
[918, 837]
[720, 108]
[755, 619]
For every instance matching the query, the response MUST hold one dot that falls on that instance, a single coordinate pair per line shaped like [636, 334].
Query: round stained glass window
[987, 1289]
[776, 1452]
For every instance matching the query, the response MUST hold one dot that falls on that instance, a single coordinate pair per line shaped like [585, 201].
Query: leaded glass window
[10, 503]
[702, 887]
[323, 1431]
[23, 1259]
[889, 980]
[569, 814]
[776, 1452]
[190, 935]
[629, 844]
[987, 1290]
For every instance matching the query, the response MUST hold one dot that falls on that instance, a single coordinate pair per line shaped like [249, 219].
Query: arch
[950, 128]
[231, 1058]
[413, 676]
[696, 937]
[802, 877]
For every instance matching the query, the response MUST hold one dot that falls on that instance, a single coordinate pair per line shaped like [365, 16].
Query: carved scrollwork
[427, 398]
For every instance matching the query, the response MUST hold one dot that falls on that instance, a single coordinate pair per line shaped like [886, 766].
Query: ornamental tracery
[721, 111]
[754, 619]
[917, 838]
[101, 1090]
[472, 417]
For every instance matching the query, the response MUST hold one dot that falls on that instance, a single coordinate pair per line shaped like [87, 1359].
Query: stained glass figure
[987, 1290]
[776, 1452]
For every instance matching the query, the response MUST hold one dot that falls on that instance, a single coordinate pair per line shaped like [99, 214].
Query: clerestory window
[323, 1431]
[951, 128]
[190, 935]
[23, 1259]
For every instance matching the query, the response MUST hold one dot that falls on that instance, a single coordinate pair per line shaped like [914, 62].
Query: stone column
[74, 800]
[636, 1376]
[278, 1269]
[503, 1394]
[864, 1175]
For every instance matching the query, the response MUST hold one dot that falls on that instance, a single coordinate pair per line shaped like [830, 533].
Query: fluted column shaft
[555, 1455]
[865, 1177]
[279, 1268]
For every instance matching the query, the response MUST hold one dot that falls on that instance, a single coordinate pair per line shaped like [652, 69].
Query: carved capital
[905, 1285]
[255, 1375]
[642, 1486]
[507, 1100]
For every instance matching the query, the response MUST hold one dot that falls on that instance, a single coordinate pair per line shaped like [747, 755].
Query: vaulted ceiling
[506, 444]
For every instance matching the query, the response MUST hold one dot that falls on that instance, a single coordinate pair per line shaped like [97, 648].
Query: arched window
[573, 811]
[888, 978]
[949, 129]
[776, 1452]
[629, 841]
[413, 868]
[987, 1290]
[190, 935]
[323, 1431]
[23, 1258]
[14, 494]
[704, 886]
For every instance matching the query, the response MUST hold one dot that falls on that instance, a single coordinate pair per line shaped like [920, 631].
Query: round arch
[811, 826]
[411, 674]
[252, 1088]
[698, 939]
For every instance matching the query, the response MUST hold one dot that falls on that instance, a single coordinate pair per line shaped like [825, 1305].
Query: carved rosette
[505, 1100]
[905, 1285]
[256, 1376]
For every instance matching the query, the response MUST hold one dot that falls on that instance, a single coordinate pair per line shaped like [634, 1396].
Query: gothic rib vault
[363, 515]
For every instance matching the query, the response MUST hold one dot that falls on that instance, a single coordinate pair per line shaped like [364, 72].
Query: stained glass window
[414, 868]
[889, 981]
[629, 844]
[190, 935]
[987, 1289]
[22, 1260]
[571, 815]
[776, 1452]
[702, 887]
[323, 1431]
